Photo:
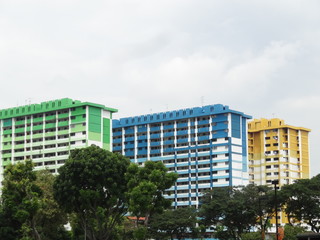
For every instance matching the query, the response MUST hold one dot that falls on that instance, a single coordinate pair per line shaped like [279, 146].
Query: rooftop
[175, 115]
[48, 106]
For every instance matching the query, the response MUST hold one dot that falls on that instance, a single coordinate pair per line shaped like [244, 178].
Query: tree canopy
[146, 186]
[28, 210]
[301, 202]
[92, 185]
[20, 202]
[232, 211]
[173, 223]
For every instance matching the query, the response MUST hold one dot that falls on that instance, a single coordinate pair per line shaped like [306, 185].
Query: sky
[147, 56]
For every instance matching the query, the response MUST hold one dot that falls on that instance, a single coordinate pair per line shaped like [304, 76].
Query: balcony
[203, 130]
[129, 139]
[166, 150]
[203, 122]
[39, 119]
[142, 137]
[142, 144]
[129, 153]
[117, 148]
[166, 127]
[50, 125]
[78, 111]
[117, 140]
[183, 132]
[182, 125]
[63, 115]
[63, 123]
[38, 127]
[129, 131]
[168, 142]
[129, 145]
[142, 129]
[154, 136]
[118, 133]
[21, 122]
[153, 144]
[154, 129]
[142, 152]
[182, 140]
[203, 138]
[168, 134]
[52, 117]
[155, 151]
[19, 130]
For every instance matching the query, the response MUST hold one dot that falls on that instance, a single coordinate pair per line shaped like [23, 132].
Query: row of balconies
[179, 126]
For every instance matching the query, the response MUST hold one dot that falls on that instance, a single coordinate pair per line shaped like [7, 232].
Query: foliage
[234, 210]
[260, 199]
[173, 223]
[50, 218]
[92, 185]
[251, 236]
[227, 207]
[20, 202]
[291, 232]
[146, 186]
[28, 210]
[302, 202]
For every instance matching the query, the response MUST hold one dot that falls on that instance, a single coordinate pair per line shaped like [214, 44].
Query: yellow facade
[277, 151]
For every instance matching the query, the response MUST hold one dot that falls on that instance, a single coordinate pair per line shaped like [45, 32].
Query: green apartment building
[47, 132]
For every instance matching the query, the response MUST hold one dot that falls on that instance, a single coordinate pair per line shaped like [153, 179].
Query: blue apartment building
[206, 146]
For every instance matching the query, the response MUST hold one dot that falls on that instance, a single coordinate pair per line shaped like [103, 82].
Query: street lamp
[275, 183]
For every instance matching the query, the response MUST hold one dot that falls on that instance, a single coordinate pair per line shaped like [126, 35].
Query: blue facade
[206, 146]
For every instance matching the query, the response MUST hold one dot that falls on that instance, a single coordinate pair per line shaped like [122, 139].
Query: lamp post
[276, 182]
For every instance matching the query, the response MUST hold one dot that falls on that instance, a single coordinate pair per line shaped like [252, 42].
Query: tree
[50, 218]
[234, 210]
[173, 223]
[92, 185]
[20, 202]
[146, 186]
[301, 201]
[260, 199]
[226, 207]
[291, 232]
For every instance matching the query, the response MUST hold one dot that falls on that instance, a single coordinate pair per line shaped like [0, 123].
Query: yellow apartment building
[277, 151]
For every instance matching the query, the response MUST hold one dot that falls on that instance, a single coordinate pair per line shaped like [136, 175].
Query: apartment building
[46, 132]
[277, 151]
[206, 146]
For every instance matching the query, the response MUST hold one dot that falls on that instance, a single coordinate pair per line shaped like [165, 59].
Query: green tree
[260, 200]
[251, 236]
[20, 202]
[50, 218]
[92, 185]
[291, 232]
[146, 186]
[234, 210]
[301, 201]
[176, 223]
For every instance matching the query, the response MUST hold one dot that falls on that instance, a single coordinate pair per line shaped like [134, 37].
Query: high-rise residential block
[206, 146]
[277, 152]
[46, 132]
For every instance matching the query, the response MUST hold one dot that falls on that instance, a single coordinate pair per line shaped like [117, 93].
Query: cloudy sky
[143, 56]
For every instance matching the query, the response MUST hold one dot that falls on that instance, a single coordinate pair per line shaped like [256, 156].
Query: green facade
[47, 132]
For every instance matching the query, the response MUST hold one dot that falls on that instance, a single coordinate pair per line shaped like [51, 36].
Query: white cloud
[260, 57]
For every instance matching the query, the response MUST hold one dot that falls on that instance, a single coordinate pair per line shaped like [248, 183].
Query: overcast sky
[143, 56]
